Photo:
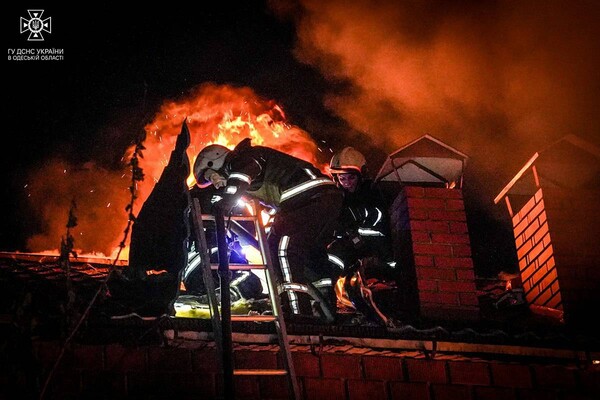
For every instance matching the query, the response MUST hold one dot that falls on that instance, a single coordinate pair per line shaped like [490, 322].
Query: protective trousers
[298, 242]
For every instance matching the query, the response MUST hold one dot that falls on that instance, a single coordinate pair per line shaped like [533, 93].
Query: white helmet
[347, 160]
[210, 160]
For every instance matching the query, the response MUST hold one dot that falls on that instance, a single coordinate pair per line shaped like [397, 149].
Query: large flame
[215, 114]
[223, 115]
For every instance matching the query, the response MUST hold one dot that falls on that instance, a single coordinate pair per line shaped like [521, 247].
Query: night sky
[498, 80]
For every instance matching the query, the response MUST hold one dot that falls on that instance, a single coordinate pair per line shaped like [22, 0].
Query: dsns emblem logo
[35, 25]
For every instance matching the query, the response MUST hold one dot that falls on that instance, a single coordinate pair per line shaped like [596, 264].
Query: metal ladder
[221, 320]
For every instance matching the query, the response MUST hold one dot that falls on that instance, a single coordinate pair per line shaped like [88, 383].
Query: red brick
[424, 203]
[120, 358]
[246, 387]
[409, 391]
[451, 392]
[306, 364]
[414, 191]
[458, 227]
[319, 389]
[527, 207]
[88, 357]
[554, 376]
[461, 251]
[465, 274]
[439, 298]
[519, 241]
[430, 285]
[103, 384]
[511, 375]
[421, 370]
[436, 273]
[543, 217]
[444, 193]
[524, 249]
[190, 383]
[469, 373]
[538, 394]
[537, 249]
[526, 271]
[432, 249]
[430, 226]
[420, 237]
[453, 262]
[424, 261]
[205, 360]
[457, 286]
[247, 359]
[274, 387]
[494, 393]
[516, 218]
[340, 366]
[520, 227]
[539, 235]
[439, 215]
[546, 254]
[366, 390]
[382, 368]
[468, 299]
[455, 205]
[169, 359]
[536, 211]
[418, 214]
[450, 238]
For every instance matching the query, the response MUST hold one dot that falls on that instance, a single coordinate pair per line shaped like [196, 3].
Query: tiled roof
[37, 288]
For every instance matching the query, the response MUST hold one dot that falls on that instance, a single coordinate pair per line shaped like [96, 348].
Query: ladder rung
[260, 372]
[232, 267]
[209, 217]
[253, 318]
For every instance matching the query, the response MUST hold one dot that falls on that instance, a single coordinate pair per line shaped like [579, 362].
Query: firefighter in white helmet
[307, 202]
[362, 247]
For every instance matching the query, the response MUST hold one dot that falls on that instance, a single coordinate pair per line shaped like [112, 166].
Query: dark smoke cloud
[498, 80]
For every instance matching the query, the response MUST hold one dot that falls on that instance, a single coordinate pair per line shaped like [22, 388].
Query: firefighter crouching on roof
[308, 204]
[362, 244]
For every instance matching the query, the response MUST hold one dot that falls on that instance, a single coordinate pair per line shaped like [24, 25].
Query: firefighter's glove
[218, 180]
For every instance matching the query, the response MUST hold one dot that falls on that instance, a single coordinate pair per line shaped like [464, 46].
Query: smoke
[100, 197]
[498, 80]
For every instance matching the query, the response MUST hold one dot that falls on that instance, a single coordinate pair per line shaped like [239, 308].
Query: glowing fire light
[215, 114]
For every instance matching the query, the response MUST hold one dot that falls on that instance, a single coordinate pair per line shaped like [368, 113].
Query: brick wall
[574, 225]
[432, 246]
[556, 234]
[336, 372]
[535, 252]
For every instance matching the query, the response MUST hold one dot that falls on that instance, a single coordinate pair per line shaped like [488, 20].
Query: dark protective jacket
[365, 212]
[363, 231]
[276, 179]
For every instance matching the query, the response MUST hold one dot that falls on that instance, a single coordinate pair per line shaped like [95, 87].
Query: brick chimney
[553, 204]
[430, 233]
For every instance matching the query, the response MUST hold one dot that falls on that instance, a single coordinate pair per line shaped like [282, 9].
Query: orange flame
[223, 115]
[215, 114]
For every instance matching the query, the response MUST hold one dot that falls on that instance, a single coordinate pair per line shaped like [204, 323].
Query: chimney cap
[426, 160]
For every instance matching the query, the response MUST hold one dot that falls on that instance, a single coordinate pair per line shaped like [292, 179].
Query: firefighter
[307, 204]
[361, 247]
